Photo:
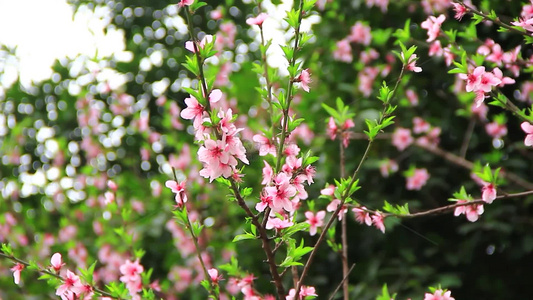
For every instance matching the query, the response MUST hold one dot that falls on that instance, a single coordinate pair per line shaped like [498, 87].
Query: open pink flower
[257, 20]
[131, 271]
[411, 64]
[472, 211]
[71, 283]
[433, 25]
[488, 193]
[377, 220]
[278, 223]
[281, 193]
[189, 45]
[496, 130]
[194, 111]
[315, 221]
[265, 145]
[16, 272]
[185, 3]
[418, 179]
[460, 11]
[304, 79]
[362, 216]
[528, 129]
[343, 51]
[179, 189]
[401, 138]
[439, 295]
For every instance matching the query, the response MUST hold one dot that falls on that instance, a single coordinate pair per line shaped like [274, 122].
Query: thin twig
[342, 282]
[346, 192]
[467, 137]
[496, 20]
[444, 209]
[470, 166]
[44, 271]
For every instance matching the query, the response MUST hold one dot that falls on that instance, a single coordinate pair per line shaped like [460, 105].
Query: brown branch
[342, 282]
[444, 209]
[488, 18]
[469, 165]
[264, 239]
[44, 271]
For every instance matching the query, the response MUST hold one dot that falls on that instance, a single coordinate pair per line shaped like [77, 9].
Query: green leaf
[385, 294]
[245, 236]
[6, 248]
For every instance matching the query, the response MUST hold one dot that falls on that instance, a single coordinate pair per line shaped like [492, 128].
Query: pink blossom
[527, 24]
[388, 166]
[71, 283]
[56, 262]
[315, 221]
[401, 138]
[215, 96]
[216, 14]
[131, 271]
[332, 128]
[528, 129]
[268, 173]
[257, 20]
[377, 221]
[488, 193]
[109, 198]
[504, 80]
[362, 216]
[472, 211]
[460, 10]
[179, 189]
[304, 292]
[417, 180]
[345, 133]
[432, 25]
[435, 49]
[213, 274]
[189, 45]
[266, 200]
[487, 81]
[449, 57]
[343, 51]
[281, 193]
[378, 3]
[496, 130]
[291, 150]
[360, 33]
[278, 223]
[194, 111]
[480, 111]
[473, 78]
[265, 145]
[304, 79]
[412, 97]
[112, 185]
[420, 125]
[328, 191]
[16, 272]
[185, 3]
[497, 54]
[411, 64]
[480, 97]
[439, 295]
[334, 204]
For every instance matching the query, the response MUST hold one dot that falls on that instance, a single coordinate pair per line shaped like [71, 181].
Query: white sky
[44, 30]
